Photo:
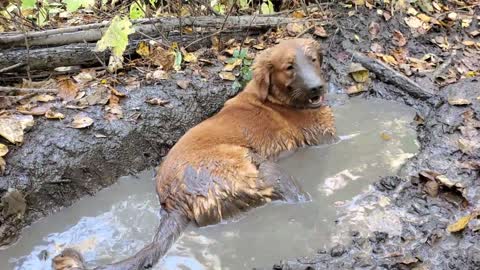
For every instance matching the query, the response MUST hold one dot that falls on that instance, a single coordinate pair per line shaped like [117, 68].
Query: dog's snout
[317, 89]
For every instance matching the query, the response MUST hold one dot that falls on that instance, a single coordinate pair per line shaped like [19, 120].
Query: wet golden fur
[260, 122]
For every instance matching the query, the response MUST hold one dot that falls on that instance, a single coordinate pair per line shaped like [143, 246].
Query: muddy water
[121, 219]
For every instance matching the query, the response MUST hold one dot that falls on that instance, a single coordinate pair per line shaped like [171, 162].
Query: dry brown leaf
[86, 75]
[116, 92]
[14, 203]
[81, 120]
[12, 127]
[113, 108]
[183, 84]
[432, 188]
[37, 111]
[413, 22]
[51, 114]
[3, 149]
[298, 14]
[399, 39]
[3, 166]
[424, 17]
[67, 89]
[320, 32]
[374, 29]
[44, 98]
[157, 101]
[294, 29]
[376, 47]
[468, 43]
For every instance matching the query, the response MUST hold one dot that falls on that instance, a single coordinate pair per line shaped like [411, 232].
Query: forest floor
[91, 126]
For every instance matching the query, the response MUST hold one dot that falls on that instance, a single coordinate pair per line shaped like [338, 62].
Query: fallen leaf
[3, 149]
[3, 166]
[374, 29]
[359, 2]
[37, 111]
[460, 224]
[143, 49]
[388, 59]
[399, 39]
[413, 22]
[452, 16]
[424, 17]
[231, 66]
[376, 47]
[44, 98]
[468, 42]
[444, 180]
[116, 36]
[162, 58]
[294, 29]
[157, 101]
[229, 76]
[298, 14]
[12, 127]
[67, 89]
[14, 203]
[385, 136]
[356, 88]
[85, 76]
[183, 84]
[116, 92]
[459, 101]
[51, 114]
[358, 72]
[81, 120]
[101, 95]
[113, 109]
[320, 32]
[158, 75]
[190, 58]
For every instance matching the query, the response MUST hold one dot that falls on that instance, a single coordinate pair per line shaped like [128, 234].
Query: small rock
[337, 251]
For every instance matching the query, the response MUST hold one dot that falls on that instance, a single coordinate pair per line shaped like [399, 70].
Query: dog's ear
[262, 68]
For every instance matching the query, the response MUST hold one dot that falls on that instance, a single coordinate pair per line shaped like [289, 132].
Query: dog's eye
[290, 67]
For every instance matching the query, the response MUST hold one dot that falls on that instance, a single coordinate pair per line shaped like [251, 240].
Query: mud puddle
[377, 139]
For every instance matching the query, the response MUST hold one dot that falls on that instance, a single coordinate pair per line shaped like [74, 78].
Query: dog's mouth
[316, 101]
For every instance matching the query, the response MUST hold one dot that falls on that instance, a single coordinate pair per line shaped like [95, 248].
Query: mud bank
[58, 165]
[401, 223]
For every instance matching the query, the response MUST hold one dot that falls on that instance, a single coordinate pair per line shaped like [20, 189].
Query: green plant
[245, 68]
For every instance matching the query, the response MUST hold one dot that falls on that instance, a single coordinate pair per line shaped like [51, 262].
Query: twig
[31, 90]
[11, 67]
[96, 56]
[306, 30]
[444, 65]
[214, 33]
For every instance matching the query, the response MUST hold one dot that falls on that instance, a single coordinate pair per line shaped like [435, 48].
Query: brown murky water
[121, 219]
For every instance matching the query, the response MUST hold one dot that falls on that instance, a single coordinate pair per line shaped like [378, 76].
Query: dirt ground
[58, 165]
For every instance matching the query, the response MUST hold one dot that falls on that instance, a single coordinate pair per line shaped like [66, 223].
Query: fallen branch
[28, 90]
[93, 32]
[389, 75]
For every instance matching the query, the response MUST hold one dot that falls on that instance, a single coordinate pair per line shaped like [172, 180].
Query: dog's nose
[317, 89]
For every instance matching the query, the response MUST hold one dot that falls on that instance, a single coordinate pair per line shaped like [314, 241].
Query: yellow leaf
[466, 22]
[190, 58]
[3, 149]
[356, 37]
[471, 74]
[385, 136]
[3, 164]
[360, 76]
[356, 88]
[44, 98]
[359, 2]
[143, 49]
[227, 76]
[389, 59]
[412, 11]
[424, 18]
[460, 224]
[298, 14]
[231, 66]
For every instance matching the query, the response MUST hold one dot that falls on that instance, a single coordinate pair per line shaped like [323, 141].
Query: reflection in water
[121, 219]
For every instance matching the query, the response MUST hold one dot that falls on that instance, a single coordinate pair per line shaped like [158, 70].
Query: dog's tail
[171, 226]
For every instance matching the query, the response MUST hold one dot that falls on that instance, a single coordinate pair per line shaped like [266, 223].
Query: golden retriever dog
[226, 164]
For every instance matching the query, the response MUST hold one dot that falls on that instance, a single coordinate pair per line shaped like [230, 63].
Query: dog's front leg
[285, 186]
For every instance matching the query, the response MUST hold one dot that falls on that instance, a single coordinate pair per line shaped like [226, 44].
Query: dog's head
[290, 74]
